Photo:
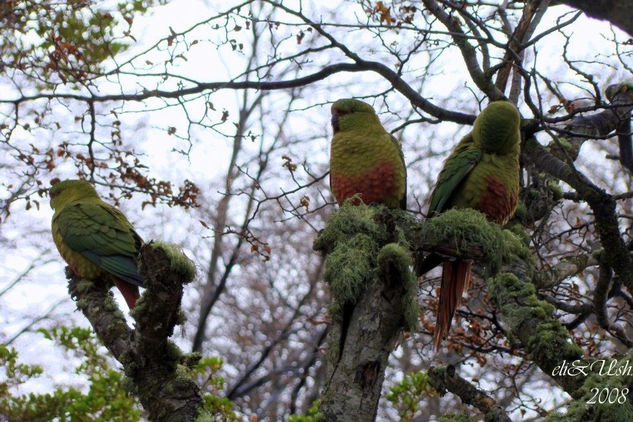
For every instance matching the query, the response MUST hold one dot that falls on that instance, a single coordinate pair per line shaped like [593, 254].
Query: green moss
[173, 352]
[349, 267]
[551, 341]
[516, 243]
[394, 262]
[83, 285]
[350, 220]
[180, 263]
[556, 190]
[564, 144]
[531, 320]
[521, 211]
[532, 194]
[365, 245]
[82, 303]
[602, 378]
[515, 299]
[465, 230]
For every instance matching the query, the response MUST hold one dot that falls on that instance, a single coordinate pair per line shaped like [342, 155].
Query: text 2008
[608, 395]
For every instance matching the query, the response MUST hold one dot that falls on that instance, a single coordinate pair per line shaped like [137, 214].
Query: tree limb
[149, 359]
[619, 13]
[443, 379]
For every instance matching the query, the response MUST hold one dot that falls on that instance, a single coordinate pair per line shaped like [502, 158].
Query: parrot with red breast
[365, 159]
[482, 173]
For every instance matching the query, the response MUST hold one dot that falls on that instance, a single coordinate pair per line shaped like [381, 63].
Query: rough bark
[373, 301]
[355, 379]
[156, 367]
[618, 12]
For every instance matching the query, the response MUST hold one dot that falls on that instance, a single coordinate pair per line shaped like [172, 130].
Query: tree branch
[149, 359]
[619, 13]
[373, 299]
[601, 203]
[482, 80]
[443, 379]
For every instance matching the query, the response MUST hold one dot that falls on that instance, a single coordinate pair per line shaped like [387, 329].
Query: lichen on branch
[368, 269]
[157, 370]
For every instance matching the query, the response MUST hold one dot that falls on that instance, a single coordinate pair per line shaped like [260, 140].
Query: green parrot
[95, 238]
[482, 173]
[364, 158]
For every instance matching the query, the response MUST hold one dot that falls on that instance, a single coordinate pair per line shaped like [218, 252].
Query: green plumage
[482, 173]
[364, 158]
[93, 237]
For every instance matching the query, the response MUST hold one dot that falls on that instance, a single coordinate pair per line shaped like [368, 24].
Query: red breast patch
[375, 186]
[496, 201]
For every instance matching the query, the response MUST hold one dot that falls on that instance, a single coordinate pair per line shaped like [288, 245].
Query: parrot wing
[102, 234]
[463, 159]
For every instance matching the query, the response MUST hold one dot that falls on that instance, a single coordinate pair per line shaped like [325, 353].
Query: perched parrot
[364, 158]
[95, 238]
[482, 173]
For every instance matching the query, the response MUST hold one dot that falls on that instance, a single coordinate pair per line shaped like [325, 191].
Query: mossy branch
[373, 301]
[98, 305]
[530, 323]
[603, 205]
[509, 267]
[157, 369]
[614, 376]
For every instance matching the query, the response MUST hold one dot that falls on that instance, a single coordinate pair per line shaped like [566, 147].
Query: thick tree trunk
[356, 374]
[373, 300]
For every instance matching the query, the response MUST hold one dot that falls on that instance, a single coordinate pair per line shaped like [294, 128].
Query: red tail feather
[456, 277]
[129, 291]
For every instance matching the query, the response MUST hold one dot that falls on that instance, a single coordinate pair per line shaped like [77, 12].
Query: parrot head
[496, 129]
[66, 191]
[348, 114]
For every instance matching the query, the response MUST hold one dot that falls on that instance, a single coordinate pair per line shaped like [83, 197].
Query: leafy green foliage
[205, 371]
[104, 400]
[407, 395]
[313, 414]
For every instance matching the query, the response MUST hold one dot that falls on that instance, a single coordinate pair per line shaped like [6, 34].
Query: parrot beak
[336, 113]
[334, 121]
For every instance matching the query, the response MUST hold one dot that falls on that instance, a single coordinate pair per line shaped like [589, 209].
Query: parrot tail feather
[456, 276]
[129, 291]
